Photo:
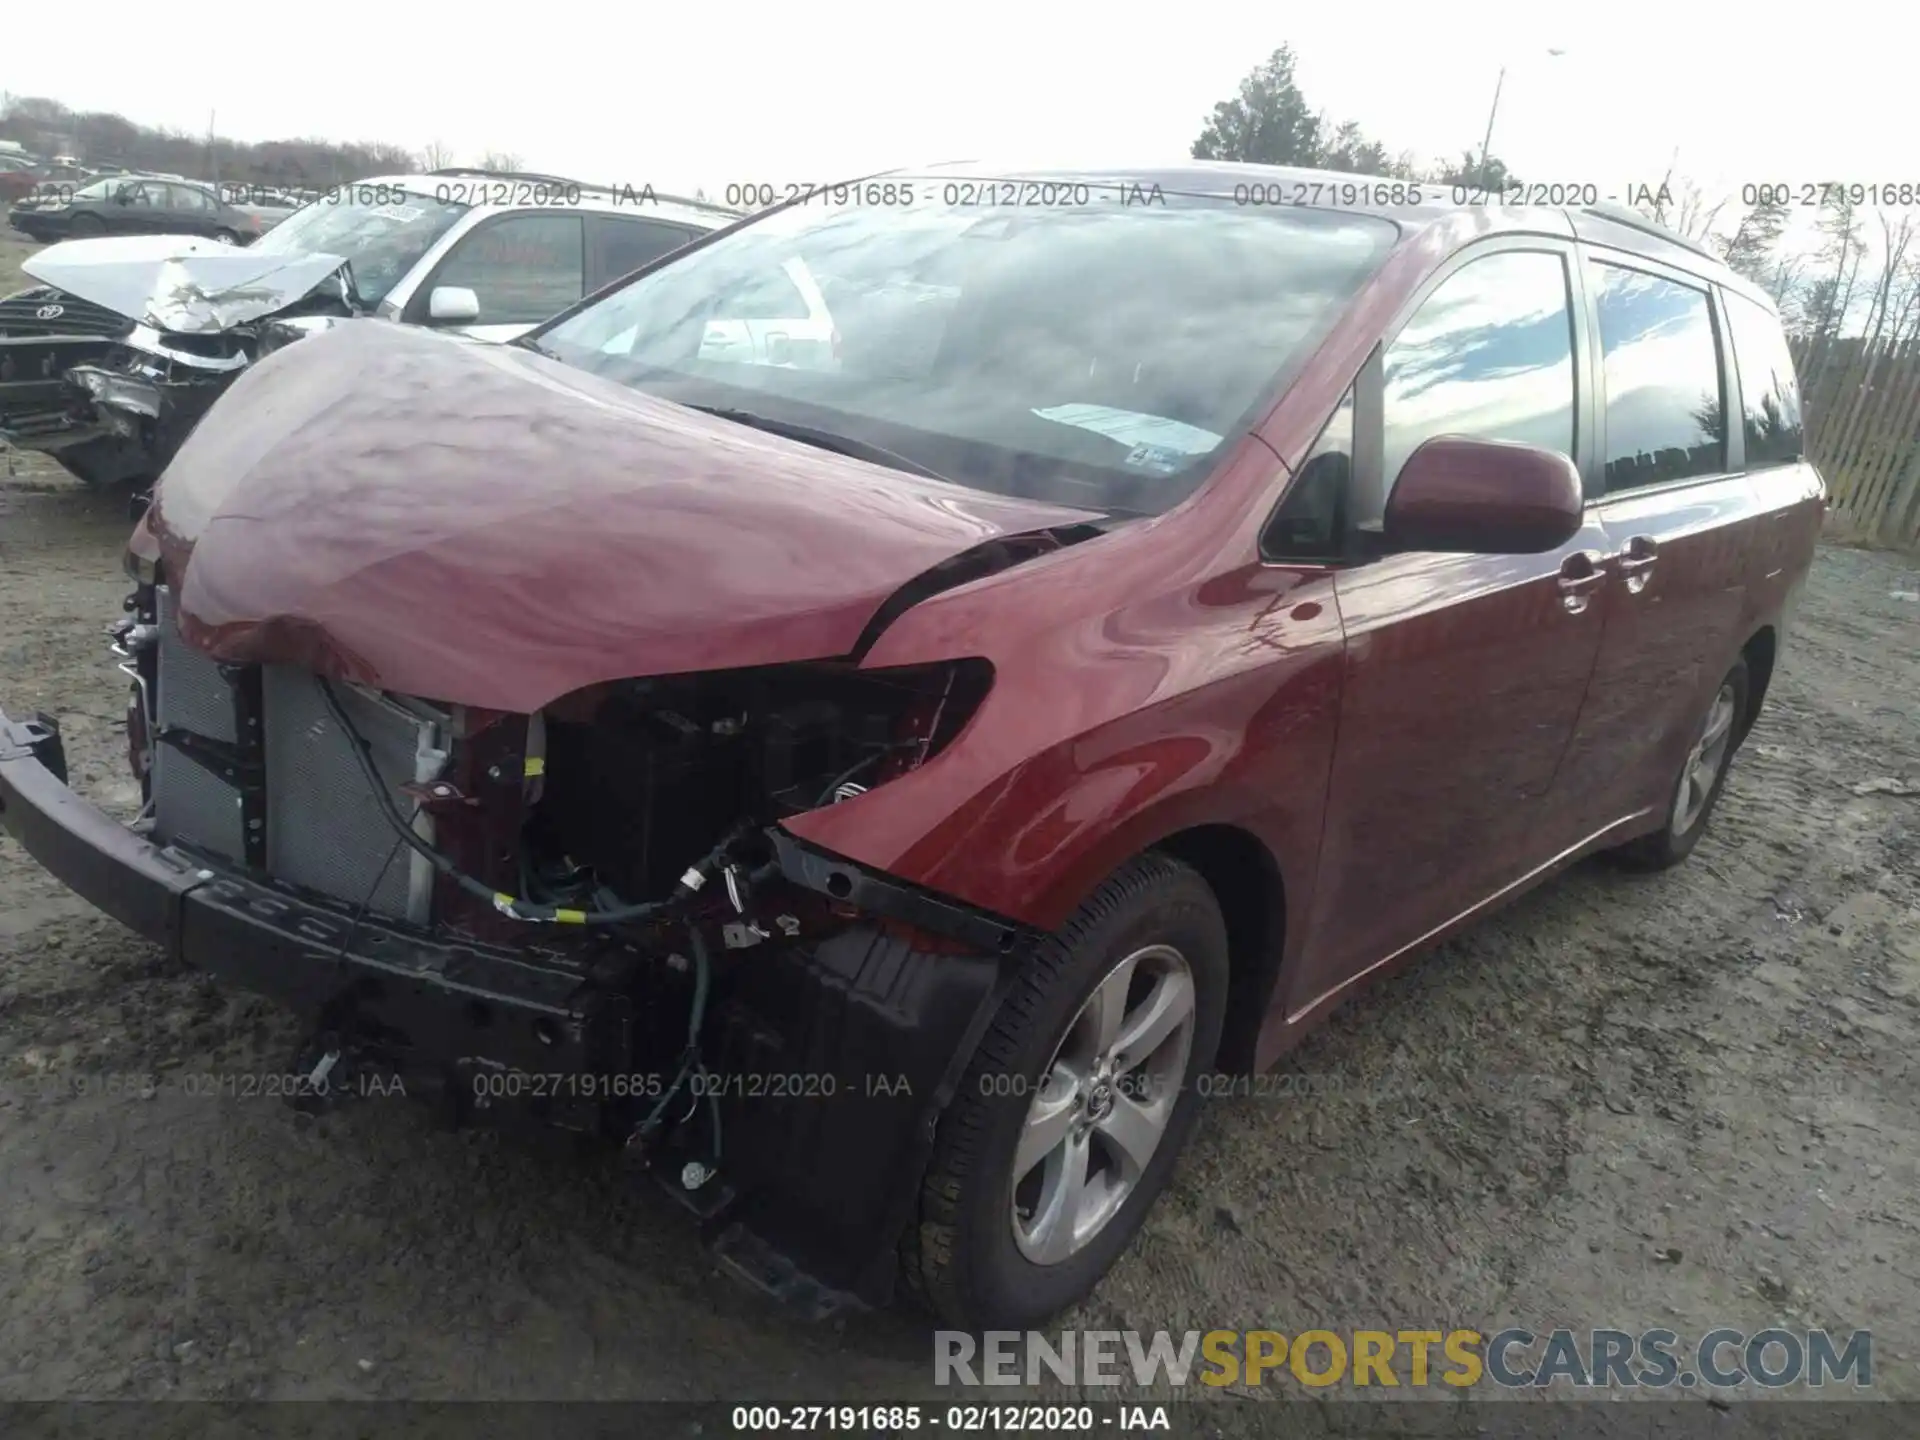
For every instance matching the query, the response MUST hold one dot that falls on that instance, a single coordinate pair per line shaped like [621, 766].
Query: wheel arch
[1246, 881]
[1760, 651]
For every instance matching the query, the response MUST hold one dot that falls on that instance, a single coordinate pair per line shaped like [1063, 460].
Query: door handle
[1636, 561]
[1579, 577]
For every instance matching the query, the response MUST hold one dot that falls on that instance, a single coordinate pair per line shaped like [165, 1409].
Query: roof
[1226, 180]
[1611, 224]
[538, 188]
[133, 177]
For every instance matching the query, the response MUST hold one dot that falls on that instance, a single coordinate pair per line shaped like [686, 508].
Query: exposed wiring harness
[739, 883]
[690, 1062]
[691, 882]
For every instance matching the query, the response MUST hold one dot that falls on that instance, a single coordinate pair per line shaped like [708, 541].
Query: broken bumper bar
[830, 1060]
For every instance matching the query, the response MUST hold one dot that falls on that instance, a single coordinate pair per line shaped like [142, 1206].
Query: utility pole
[1486, 144]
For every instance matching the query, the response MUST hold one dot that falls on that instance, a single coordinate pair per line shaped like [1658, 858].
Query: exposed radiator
[325, 831]
[191, 804]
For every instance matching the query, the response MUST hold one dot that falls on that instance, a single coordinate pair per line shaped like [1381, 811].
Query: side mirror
[454, 303]
[1486, 497]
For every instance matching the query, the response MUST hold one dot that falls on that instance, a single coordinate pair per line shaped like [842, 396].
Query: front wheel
[1076, 1104]
[86, 226]
[1702, 776]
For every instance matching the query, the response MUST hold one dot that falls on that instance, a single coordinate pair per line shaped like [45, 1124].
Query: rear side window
[1769, 389]
[523, 268]
[1665, 417]
[618, 246]
[1489, 354]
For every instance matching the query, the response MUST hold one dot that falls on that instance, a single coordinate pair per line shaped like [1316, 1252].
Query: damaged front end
[590, 917]
[476, 702]
[44, 334]
[109, 366]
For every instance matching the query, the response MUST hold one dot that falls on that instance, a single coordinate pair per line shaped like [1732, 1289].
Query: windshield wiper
[825, 440]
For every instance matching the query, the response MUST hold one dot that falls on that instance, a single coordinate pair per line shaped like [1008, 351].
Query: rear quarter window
[1769, 387]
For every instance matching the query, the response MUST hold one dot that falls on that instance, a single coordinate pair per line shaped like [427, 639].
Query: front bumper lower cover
[831, 1060]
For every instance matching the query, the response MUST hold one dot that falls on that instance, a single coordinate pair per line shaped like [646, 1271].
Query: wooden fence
[1862, 403]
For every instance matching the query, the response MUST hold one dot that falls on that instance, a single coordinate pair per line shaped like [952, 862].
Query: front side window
[523, 269]
[1665, 419]
[1769, 388]
[1098, 355]
[381, 242]
[1489, 355]
[1312, 520]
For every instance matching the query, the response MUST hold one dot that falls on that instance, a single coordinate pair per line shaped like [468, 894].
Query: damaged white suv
[110, 361]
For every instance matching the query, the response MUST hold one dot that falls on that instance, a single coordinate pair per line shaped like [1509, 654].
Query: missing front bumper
[829, 1062]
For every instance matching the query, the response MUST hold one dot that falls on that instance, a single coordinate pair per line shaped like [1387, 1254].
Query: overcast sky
[710, 94]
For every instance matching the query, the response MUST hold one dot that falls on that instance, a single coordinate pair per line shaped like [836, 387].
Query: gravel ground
[1682, 1101]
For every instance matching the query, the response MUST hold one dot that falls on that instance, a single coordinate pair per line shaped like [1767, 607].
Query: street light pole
[1486, 145]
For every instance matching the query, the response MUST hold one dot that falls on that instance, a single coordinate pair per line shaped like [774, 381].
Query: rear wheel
[1076, 1104]
[1702, 775]
[226, 237]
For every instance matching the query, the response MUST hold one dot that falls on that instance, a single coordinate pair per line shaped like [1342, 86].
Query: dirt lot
[1685, 1101]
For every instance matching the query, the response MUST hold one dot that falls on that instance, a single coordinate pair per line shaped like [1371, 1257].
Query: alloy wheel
[1704, 761]
[1103, 1104]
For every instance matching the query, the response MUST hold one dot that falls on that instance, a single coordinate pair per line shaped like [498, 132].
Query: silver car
[111, 360]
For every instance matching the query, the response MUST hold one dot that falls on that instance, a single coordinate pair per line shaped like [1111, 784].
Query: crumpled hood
[478, 524]
[180, 283]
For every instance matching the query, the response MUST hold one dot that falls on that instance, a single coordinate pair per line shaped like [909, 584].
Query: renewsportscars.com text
[1392, 1359]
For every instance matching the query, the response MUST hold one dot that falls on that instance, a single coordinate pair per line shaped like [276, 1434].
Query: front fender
[1251, 750]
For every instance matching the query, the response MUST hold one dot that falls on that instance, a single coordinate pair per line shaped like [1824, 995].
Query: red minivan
[881, 784]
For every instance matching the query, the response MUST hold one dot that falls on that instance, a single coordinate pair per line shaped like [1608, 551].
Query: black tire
[108, 460]
[1670, 844]
[226, 237]
[85, 227]
[960, 1259]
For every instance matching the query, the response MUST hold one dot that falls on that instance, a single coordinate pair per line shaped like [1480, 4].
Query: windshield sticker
[1129, 427]
[1157, 458]
[401, 213]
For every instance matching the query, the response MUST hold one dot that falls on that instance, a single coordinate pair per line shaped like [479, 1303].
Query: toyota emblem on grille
[50, 312]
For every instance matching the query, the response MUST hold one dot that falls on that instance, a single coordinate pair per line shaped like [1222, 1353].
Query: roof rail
[1634, 220]
[511, 175]
[586, 186]
[693, 204]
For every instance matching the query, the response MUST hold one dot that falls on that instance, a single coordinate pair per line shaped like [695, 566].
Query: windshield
[1098, 352]
[383, 241]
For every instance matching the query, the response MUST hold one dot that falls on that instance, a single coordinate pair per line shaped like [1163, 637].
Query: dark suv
[132, 205]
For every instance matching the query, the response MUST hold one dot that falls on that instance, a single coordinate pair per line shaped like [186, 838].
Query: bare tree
[1690, 215]
[1748, 249]
[1655, 208]
[499, 160]
[1831, 295]
[437, 156]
